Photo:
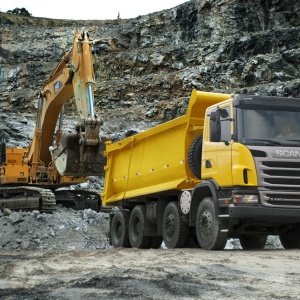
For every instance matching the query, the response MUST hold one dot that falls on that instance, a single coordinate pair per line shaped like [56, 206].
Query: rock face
[147, 66]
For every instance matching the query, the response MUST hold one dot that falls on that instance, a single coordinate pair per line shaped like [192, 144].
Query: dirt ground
[150, 274]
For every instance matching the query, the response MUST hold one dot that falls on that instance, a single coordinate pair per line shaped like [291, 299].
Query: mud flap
[74, 159]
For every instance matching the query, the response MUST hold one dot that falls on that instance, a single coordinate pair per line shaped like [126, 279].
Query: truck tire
[291, 239]
[136, 228]
[208, 227]
[119, 229]
[253, 242]
[175, 230]
[194, 156]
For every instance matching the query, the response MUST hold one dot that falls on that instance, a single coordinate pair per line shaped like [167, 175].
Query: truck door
[217, 145]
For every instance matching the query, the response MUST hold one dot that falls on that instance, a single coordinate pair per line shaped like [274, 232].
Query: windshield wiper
[266, 141]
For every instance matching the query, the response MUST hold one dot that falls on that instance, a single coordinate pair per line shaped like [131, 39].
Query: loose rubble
[64, 229]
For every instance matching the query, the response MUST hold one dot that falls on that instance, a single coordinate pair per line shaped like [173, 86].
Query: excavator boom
[78, 154]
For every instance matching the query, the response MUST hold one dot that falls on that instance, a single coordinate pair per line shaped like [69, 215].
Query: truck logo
[287, 153]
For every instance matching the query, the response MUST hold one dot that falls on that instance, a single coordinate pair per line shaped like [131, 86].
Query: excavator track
[35, 198]
[27, 198]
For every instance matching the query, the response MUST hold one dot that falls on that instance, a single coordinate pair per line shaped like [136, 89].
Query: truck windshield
[268, 127]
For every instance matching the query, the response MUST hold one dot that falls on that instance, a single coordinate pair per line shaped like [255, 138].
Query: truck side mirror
[215, 127]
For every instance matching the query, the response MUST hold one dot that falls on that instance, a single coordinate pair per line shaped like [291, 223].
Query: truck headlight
[243, 198]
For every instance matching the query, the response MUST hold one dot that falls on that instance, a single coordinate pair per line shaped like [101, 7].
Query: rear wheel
[175, 230]
[136, 228]
[291, 239]
[119, 229]
[208, 227]
[253, 242]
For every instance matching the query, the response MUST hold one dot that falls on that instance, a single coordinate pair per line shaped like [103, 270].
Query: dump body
[155, 161]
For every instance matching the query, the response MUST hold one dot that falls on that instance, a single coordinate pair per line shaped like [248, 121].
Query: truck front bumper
[264, 213]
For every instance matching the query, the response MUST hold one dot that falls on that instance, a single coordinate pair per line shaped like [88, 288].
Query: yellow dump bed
[156, 160]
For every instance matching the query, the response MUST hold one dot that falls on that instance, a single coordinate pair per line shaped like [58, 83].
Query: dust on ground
[150, 274]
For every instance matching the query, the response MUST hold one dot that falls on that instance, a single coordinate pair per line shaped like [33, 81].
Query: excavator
[40, 176]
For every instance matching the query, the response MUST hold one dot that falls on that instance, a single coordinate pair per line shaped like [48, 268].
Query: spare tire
[194, 156]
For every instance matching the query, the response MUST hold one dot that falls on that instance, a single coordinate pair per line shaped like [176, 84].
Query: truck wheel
[253, 242]
[208, 227]
[175, 230]
[119, 229]
[194, 156]
[136, 228]
[291, 239]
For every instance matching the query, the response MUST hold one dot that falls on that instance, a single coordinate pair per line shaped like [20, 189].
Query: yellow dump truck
[226, 169]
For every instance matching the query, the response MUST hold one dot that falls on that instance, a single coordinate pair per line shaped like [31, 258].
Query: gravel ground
[150, 274]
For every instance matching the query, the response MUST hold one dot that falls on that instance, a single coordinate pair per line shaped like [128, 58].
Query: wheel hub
[138, 227]
[206, 223]
[118, 230]
[170, 225]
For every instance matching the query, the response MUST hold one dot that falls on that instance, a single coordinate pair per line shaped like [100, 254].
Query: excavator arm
[78, 154]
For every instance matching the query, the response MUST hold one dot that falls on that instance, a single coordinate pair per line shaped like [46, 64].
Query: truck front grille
[279, 179]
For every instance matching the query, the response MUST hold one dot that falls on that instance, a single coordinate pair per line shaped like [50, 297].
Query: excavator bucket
[72, 158]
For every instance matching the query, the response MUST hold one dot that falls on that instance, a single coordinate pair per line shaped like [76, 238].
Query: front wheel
[291, 239]
[119, 229]
[175, 230]
[208, 227]
[253, 242]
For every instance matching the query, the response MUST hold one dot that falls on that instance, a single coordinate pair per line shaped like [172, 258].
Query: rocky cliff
[147, 66]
